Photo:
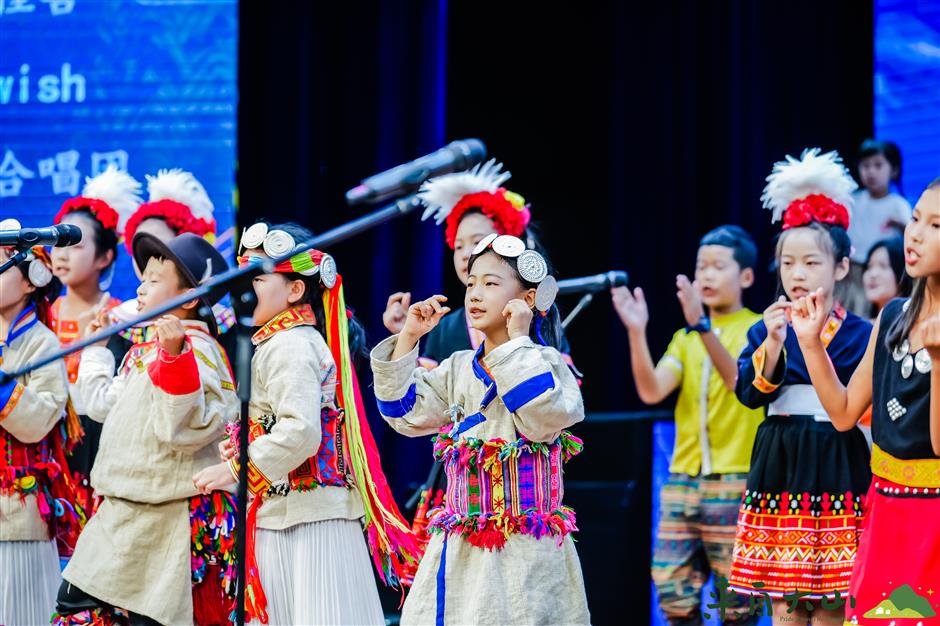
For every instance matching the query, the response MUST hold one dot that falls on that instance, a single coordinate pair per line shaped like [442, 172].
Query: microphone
[404, 179]
[593, 284]
[59, 235]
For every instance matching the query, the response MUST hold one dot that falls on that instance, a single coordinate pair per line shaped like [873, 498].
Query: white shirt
[870, 217]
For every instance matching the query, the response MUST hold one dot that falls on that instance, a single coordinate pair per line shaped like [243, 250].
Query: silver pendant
[895, 410]
[902, 351]
[922, 361]
[907, 366]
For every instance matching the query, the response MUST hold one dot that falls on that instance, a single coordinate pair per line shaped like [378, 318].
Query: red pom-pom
[508, 219]
[177, 216]
[99, 208]
[815, 208]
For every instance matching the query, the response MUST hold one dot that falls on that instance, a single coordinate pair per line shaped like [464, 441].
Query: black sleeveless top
[900, 418]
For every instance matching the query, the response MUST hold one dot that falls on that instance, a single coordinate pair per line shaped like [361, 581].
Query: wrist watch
[704, 325]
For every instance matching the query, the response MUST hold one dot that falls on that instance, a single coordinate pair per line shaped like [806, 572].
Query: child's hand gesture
[808, 316]
[170, 334]
[690, 297]
[213, 478]
[631, 307]
[95, 320]
[228, 449]
[775, 319]
[396, 311]
[931, 334]
[518, 318]
[424, 316]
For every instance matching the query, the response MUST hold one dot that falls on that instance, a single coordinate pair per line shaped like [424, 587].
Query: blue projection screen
[907, 86]
[143, 84]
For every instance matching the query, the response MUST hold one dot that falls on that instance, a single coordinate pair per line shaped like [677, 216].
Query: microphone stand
[583, 302]
[239, 278]
[16, 259]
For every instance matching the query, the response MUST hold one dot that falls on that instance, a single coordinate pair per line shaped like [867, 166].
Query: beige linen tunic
[29, 419]
[163, 419]
[293, 377]
[528, 581]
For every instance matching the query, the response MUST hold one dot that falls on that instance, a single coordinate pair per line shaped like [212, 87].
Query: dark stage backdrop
[631, 129]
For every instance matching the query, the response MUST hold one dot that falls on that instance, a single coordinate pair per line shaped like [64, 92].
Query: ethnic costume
[501, 550]
[897, 571]
[110, 198]
[163, 418]
[314, 470]
[178, 199]
[799, 521]
[700, 500]
[37, 497]
[448, 199]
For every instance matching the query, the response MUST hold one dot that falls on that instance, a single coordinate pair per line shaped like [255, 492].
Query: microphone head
[468, 152]
[69, 234]
[618, 278]
[358, 195]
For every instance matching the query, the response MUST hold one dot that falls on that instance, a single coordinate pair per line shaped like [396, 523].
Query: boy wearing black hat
[163, 416]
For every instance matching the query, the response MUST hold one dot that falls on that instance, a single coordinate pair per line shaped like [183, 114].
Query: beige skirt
[137, 557]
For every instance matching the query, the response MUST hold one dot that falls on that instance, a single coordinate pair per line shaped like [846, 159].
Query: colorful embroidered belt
[907, 472]
[40, 469]
[497, 488]
[329, 468]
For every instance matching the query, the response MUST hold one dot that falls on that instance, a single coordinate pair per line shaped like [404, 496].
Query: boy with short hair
[714, 432]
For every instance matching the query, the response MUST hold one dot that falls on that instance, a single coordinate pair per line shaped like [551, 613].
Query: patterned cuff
[176, 375]
[9, 397]
[258, 483]
[761, 383]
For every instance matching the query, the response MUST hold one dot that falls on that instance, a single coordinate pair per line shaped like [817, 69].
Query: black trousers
[73, 600]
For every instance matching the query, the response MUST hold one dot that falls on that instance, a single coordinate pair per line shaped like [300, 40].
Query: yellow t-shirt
[714, 432]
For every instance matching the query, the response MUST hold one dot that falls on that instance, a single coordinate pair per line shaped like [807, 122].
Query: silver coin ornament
[278, 243]
[922, 361]
[532, 266]
[254, 235]
[328, 271]
[907, 366]
[484, 243]
[39, 274]
[901, 351]
[546, 293]
[508, 246]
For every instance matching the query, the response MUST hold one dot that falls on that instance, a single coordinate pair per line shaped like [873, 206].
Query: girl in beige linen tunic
[502, 552]
[31, 445]
[309, 486]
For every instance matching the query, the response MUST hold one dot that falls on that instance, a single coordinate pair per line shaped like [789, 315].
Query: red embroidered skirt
[799, 521]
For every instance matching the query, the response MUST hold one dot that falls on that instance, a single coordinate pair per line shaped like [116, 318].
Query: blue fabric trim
[399, 408]
[6, 392]
[528, 390]
[478, 370]
[441, 584]
[16, 332]
[489, 397]
[469, 422]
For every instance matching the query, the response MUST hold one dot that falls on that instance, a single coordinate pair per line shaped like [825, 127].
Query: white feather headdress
[812, 173]
[181, 186]
[441, 194]
[119, 189]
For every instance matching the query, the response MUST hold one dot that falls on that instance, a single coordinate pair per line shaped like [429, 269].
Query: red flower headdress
[111, 197]
[448, 197]
[814, 188]
[179, 199]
